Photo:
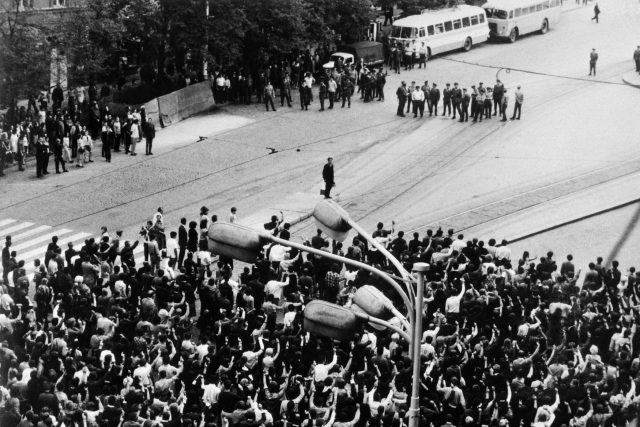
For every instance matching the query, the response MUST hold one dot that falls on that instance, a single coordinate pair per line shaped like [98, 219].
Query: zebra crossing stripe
[40, 239]
[15, 228]
[31, 232]
[6, 221]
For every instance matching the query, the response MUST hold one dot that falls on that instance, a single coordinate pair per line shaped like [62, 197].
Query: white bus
[442, 30]
[512, 18]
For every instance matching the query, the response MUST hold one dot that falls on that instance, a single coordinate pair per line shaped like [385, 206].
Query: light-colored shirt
[417, 95]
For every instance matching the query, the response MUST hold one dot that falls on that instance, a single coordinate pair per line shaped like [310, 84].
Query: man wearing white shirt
[452, 305]
[274, 287]
[321, 370]
[417, 97]
[172, 246]
[503, 253]
[459, 244]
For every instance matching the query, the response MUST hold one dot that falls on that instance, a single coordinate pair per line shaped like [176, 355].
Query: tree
[24, 55]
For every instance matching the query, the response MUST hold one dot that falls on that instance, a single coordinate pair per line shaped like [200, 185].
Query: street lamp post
[244, 244]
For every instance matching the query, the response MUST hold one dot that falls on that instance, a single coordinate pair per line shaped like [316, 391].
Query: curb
[632, 79]
[573, 221]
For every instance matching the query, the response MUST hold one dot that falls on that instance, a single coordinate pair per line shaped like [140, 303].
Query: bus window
[457, 24]
[538, 7]
[403, 32]
[465, 22]
[430, 30]
[518, 12]
[474, 20]
[532, 9]
[481, 18]
[439, 29]
[546, 4]
[421, 32]
[448, 26]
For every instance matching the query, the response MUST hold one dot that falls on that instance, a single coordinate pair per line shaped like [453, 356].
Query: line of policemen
[481, 102]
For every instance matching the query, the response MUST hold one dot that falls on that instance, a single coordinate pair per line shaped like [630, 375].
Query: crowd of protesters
[95, 338]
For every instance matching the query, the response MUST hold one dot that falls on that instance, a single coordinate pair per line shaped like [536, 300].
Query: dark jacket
[327, 173]
[150, 131]
[183, 236]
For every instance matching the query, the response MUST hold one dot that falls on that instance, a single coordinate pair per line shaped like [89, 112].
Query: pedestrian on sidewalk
[322, 94]
[636, 59]
[596, 12]
[150, 134]
[593, 58]
[327, 176]
[135, 137]
[518, 105]
[268, 96]
[57, 153]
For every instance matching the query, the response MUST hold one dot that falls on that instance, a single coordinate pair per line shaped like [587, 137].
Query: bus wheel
[467, 44]
[545, 27]
[513, 35]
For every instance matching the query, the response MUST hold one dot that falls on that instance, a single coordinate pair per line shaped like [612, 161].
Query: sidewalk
[193, 129]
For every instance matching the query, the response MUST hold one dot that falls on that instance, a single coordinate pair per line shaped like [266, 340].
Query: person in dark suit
[183, 239]
[402, 94]
[150, 133]
[57, 154]
[434, 95]
[327, 175]
[193, 237]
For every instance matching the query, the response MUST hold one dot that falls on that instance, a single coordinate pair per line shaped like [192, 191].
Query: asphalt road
[416, 171]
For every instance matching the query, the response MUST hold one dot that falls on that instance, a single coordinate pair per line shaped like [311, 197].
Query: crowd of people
[68, 128]
[186, 338]
[480, 102]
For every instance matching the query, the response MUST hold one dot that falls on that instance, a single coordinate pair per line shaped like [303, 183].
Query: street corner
[632, 78]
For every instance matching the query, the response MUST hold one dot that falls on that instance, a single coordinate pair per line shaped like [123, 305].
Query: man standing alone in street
[150, 133]
[593, 58]
[517, 108]
[327, 175]
[636, 59]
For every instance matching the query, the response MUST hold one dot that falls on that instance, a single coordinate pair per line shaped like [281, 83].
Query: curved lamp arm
[338, 258]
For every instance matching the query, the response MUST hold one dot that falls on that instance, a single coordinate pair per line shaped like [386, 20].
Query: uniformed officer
[466, 99]
[456, 98]
[434, 95]
[401, 93]
[347, 91]
[446, 100]
[498, 90]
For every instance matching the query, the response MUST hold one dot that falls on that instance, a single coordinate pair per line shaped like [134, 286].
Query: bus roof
[438, 15]
[508, 4]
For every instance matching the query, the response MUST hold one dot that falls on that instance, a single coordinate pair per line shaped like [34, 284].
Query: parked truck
[371, 52]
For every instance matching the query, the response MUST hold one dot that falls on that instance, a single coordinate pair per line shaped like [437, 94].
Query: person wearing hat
[402, 95]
